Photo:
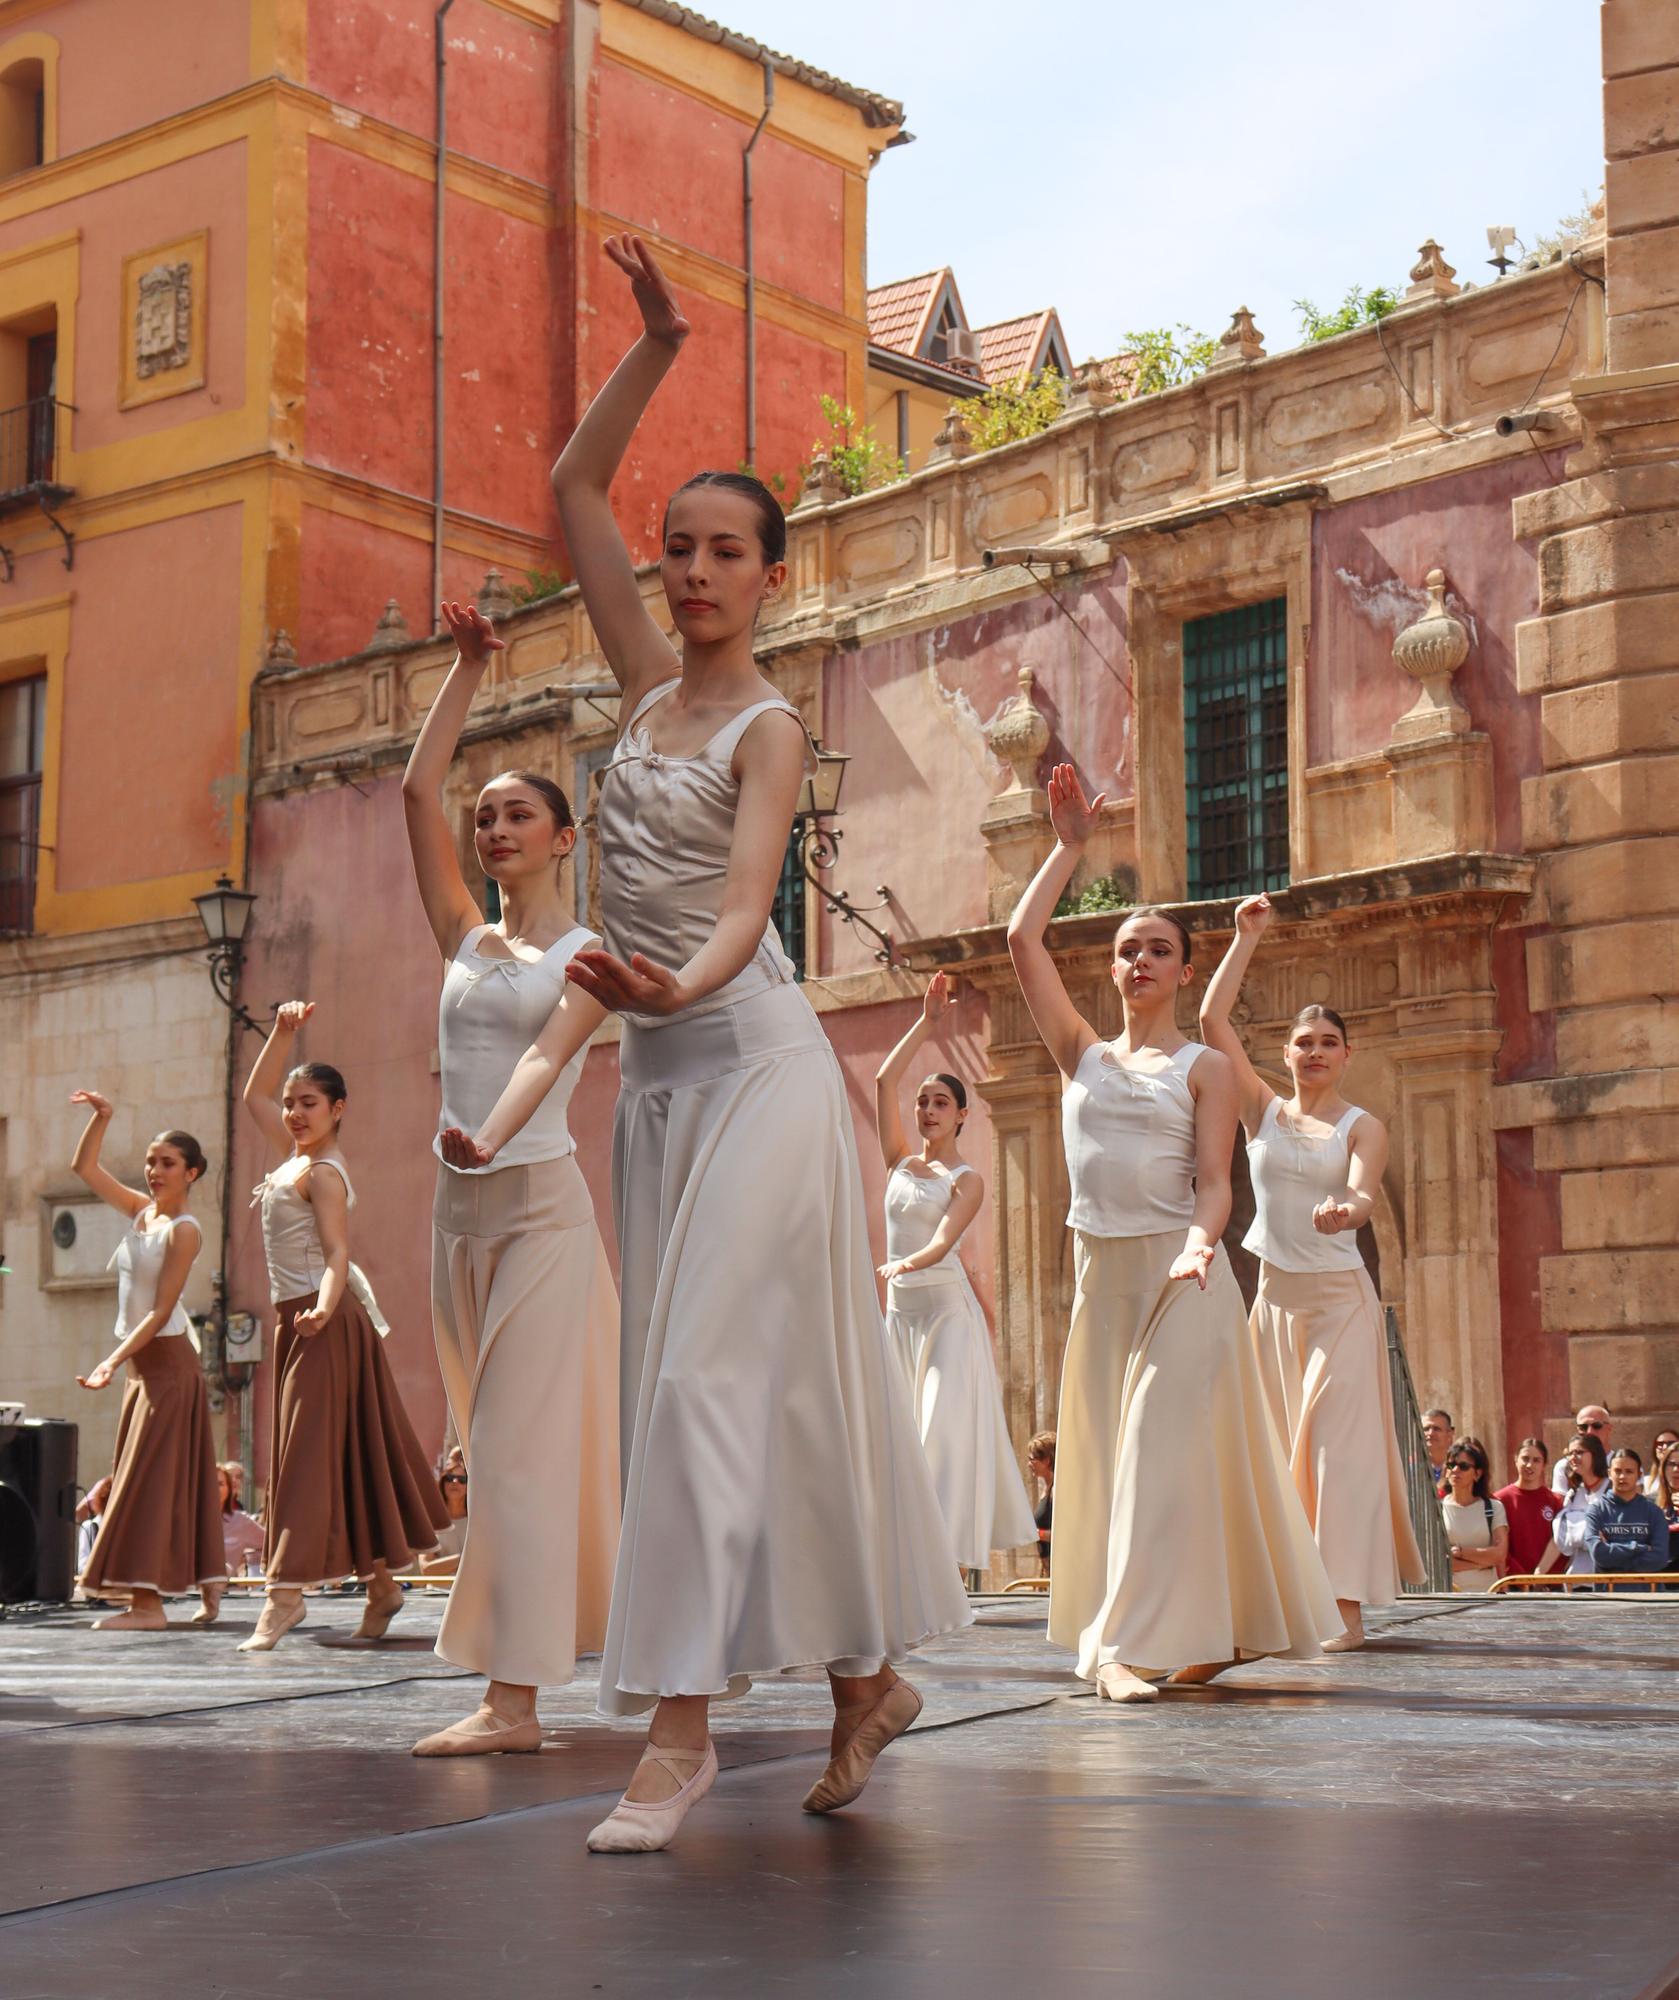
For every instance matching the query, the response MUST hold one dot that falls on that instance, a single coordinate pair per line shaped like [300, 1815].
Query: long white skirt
[1179, 1537]
[939, 1334]
[778, 1510]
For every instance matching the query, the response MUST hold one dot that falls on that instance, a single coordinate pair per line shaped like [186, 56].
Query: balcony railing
[29, 439]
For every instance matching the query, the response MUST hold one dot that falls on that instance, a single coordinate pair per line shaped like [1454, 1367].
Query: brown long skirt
[162, 1527]
[348, 1484]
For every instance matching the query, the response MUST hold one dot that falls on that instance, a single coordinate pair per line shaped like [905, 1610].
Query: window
[1235, 695]
[23, 736]
[787, 912]
[23, 116]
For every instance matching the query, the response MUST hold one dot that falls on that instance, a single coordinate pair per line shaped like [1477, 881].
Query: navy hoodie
[1628, 1535]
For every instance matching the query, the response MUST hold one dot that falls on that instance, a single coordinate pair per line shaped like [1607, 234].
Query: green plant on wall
[1017, 408]
[1106, 892]
[539, 583]
[851, 448]
[1358, 308]
[1164, 357]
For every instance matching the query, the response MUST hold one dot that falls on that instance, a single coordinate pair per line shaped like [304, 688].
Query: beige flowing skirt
[348, 1484]
[1179, 1538]
[778, 1510]
[1320, 1346]
[162, 1526]
[526, 1318]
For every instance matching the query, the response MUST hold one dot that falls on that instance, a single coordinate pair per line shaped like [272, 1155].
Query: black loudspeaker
[37, 1511]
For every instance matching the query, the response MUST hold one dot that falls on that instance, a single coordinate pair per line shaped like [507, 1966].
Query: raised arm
[1369, 1149]
[450, 908]
[1253, 1093]
[84, 1162]
[965, 1200]
[261, 1094]
[1212, 1083]
[324, 1189]
[1065, 1031]
[888, 1079]
[636, 650]
[182, 1247]
[536, 1072]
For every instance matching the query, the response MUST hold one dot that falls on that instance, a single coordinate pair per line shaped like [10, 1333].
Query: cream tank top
[291, 1237]
[666, 825]
[915, 1206]
[1291, 1173]
[1130, 1140]
[138, 1263]
[492, 1009]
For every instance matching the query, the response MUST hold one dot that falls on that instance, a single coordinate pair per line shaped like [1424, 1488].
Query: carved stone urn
[1020, 736]
[1431, 651]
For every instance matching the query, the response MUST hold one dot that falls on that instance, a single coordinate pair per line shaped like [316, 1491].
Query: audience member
[1588, 1475]
[1040, 1462]
[89, 1513]
[1628, 1530]
[1666, 1497]
[242, 1534]
[445, 1559]
[1530, 1507]
[1590, 1420]
[1476, 1524]
[1666, 1438]
[1437, 1435]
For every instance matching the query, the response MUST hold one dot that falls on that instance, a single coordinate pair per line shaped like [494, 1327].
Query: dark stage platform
[1483, 1803]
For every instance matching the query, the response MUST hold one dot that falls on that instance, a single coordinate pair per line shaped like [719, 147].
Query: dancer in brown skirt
[349, 1489]
[161, 1530]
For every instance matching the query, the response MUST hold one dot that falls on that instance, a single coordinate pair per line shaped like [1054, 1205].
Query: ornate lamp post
[819, 847]
[224, 911]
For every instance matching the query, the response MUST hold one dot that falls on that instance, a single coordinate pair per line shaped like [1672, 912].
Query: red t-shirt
[1530, 1516]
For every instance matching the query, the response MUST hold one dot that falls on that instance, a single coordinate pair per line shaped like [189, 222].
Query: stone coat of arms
[163, 319]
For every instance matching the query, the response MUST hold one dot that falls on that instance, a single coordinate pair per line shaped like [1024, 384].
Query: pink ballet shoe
[482, 1734]
[376, 1619]
[634, 1828]
[849, 1772]
[273, 1625]
[1117, 1683]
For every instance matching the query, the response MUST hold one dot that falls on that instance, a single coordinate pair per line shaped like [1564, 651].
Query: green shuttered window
[1235, 698]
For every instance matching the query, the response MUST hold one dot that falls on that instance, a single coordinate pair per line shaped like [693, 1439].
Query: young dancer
[1315, 1162]
[349, 1489]
[1179, 1540]
[778, 1510]
[932, 1316]
[522, 1299]
[161, 1528]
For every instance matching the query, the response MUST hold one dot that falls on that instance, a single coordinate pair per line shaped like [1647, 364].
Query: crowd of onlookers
[1602, 1508]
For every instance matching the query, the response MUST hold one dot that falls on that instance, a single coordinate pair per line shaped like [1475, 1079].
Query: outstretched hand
[1073, 816]
[641, 987]
[309, 1321]
[461, 1150]
[936, 999]
[1329, 1218]
[660, 314]
[1195, 1262]
[1253, 913]
[290, 1015]
[101, 1107]
[97, 1378]
[474, 636]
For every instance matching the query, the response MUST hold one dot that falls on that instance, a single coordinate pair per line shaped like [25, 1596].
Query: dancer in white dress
[933, 1319]
[778, 1510]
[1316, 1164]
[523, 1305]
[1180, 1542]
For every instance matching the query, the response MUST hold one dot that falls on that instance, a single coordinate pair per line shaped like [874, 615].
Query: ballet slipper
[1348, 1642]
[1117, 1683]
[849, 1772]
[634, 1828]
[376, 1619]
[133, 1621]
[482, 1734]
[1194, 1677]
[273, 1625]
[210, 1610]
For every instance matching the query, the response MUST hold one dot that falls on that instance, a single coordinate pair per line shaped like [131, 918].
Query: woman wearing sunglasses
[1588, 1476]
[1476, 1524]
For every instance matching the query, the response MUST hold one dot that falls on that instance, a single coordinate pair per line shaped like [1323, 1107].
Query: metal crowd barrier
[1595, 1580]
[1420, 1494]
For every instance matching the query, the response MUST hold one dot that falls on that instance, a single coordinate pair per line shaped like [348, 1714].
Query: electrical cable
[1079, 629]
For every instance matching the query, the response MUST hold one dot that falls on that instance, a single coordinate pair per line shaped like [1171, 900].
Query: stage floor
[1482, 1803]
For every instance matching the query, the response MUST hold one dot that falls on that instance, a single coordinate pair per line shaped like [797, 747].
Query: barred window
[787, 912]
[23, 735]
[1235, 694]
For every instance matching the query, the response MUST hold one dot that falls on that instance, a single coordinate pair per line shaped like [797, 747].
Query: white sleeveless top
[1291, 1173]
[291, 1237]
[491, 1011]
[138, 1263]
[915, 1206]
[1130, 1140]
[666, 825]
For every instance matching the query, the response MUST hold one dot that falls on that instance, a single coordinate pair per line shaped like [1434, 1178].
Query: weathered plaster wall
[112, 81]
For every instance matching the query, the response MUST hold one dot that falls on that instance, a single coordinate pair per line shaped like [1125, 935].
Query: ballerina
[1316, 1162]
[933, 1319]
[778, 1510]
[349, 1489]
[161, 1529]
[1180, 1542]
[523, 1305]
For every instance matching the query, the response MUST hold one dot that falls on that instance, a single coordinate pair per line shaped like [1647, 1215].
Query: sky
[1139, 165]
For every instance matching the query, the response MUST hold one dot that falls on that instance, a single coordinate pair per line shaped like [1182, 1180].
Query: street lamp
[819, 846]
[224, 911]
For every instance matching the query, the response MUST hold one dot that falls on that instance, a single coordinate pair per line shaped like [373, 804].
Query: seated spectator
[1476, 1524]
[1530, 1507]
[1666, 1438]
[445, 1559]
[242, 1533]
[89, 1512]
[1437, 1435]
[1040, 1462]
[1627, 1530]
[1590, 1420]
[1588, 1475]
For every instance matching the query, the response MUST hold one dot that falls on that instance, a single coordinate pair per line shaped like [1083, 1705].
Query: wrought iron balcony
[30, 436]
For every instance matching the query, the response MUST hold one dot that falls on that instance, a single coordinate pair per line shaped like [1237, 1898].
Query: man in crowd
[1590, 1420]
[1626, 1531]
[1437, 1434]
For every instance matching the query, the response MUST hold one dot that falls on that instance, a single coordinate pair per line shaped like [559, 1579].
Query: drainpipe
[752, 270]
[441, 67]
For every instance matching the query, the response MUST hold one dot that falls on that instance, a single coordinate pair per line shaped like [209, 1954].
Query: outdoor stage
[1483, 1803]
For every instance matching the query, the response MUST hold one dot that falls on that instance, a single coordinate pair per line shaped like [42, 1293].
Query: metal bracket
[819, 848]
[65, 533]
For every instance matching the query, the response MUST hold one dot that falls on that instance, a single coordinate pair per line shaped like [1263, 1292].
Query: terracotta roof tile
[1008, 349]
[898, 312]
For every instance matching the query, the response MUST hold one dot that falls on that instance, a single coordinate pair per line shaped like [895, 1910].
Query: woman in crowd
[1588, 1476]
[778, 1509]
[1666, 1438]
[1625, 1529]
[1531, 1509]
[349, 1489]
[242, 1537]
[933, 1319]
[159, 1533]
[1040, 1464]
[1316, 1164]
[1476, 1525]
[1181, 1546]
[1666, 1495]
[445, 1559]
[523, 1305]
